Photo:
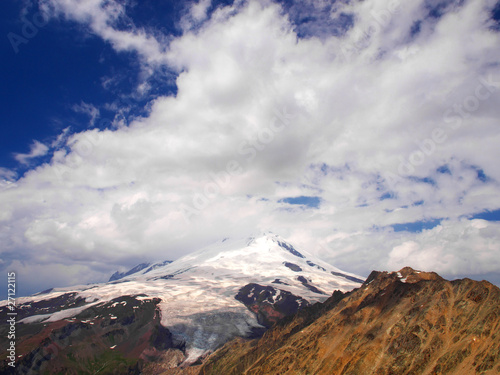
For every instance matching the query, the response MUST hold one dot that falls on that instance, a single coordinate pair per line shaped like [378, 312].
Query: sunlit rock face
[406, 322]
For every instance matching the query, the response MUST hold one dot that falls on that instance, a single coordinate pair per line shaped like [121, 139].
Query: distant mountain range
[171, 312]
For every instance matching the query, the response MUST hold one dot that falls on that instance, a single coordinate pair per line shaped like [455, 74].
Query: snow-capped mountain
[231, 288]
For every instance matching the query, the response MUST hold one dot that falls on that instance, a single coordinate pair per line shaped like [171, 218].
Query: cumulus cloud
[452, 248]
[385, 124]
[465, 247]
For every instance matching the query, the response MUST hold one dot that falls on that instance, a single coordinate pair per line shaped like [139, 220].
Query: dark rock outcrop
[269, 304]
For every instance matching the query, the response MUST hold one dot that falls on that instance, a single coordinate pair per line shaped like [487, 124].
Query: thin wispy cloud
[37, 149]
[87, 109]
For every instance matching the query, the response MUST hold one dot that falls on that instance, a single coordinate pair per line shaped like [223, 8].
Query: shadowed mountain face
[408, 322]
[117, 337]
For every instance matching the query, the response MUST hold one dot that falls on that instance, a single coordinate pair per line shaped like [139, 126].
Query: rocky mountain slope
[170, 314]
[408, 322]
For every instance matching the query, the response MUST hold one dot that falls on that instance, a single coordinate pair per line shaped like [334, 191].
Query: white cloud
[465, 247]
[7, 180]
[101, 17]
[199, 10]
[88, 109]
[61, 138]
[7, 174]
[196, 15]
[289, 117]
[37, 149]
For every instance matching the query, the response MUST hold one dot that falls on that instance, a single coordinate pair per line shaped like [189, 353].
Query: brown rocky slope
[409, 322]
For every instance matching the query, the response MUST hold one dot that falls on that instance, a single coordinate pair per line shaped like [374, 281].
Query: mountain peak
[120, 275]
[405, 275]
[269, 240]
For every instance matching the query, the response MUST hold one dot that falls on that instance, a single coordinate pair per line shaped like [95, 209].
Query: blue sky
[365, 132]
[309, 202]
[60, 67]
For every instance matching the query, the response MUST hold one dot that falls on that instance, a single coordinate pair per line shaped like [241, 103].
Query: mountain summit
[183, 310]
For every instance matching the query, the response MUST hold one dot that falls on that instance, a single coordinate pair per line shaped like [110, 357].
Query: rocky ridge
[406, 322]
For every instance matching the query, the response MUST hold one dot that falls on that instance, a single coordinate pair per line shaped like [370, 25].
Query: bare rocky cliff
[408, 322]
